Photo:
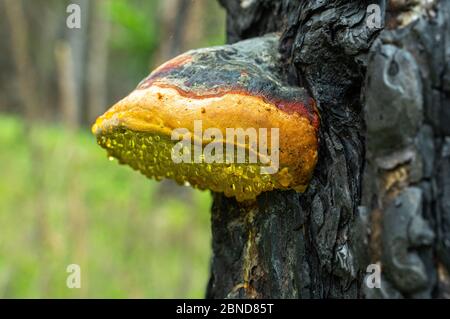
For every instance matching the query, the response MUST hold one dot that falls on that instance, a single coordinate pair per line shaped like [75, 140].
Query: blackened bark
[381, 189]
[407, 176]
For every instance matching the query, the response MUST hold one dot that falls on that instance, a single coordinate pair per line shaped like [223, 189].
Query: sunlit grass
[63, 202]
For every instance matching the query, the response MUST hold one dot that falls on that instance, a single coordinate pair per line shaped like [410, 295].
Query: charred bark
[380, 192]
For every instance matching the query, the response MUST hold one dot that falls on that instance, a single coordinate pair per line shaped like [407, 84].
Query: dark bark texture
[381, 190]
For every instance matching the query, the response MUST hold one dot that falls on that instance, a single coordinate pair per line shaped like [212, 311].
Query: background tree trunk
[381, 190]
[97, 60]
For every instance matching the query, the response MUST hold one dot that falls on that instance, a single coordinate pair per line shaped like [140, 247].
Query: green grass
[62, 202]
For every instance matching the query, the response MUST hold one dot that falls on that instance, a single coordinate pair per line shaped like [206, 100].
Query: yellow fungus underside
[137, 131]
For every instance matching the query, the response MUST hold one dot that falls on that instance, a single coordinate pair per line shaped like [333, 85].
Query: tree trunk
[77, 39]
[381, 189]
[97, 61]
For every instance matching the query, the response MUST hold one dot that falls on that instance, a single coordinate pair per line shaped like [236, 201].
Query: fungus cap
[237, 86]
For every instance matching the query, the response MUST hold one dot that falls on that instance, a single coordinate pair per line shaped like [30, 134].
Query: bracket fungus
[202, 96]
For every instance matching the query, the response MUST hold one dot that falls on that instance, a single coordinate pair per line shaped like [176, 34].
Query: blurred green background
[61, 200]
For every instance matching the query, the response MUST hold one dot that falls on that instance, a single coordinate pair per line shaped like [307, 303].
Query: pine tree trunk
[381, 190]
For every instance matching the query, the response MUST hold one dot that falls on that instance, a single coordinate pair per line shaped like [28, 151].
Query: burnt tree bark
[381, 190]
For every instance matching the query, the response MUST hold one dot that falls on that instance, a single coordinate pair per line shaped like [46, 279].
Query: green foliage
[63, 202]
[134, 40]
[135, 28]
